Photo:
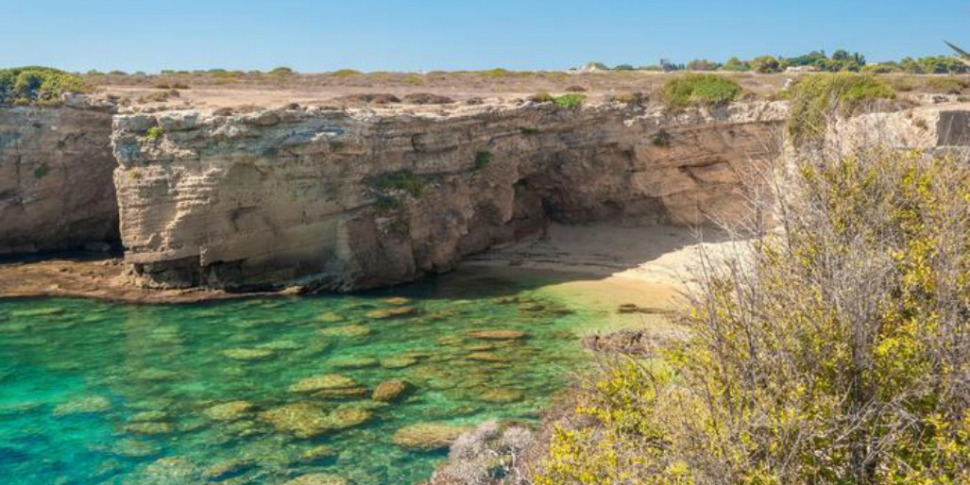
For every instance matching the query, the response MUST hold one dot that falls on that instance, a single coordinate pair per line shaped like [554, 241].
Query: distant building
[801, 69]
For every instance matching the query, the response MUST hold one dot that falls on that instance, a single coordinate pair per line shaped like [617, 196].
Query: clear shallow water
[100, 393]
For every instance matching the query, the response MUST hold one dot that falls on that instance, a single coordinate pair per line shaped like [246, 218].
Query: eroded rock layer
[345, 201]
[55, 179]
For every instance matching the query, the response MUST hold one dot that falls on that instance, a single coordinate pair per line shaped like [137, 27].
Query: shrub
[699, 89]
[947, 84]
[40, 85]
[482, 160]
[766, 64]
[282, 71]
[737, 65]
[835, 352]
[402, 180]
[344, 73]
[154, 133]
[702, 65]
[816, 98]
[570, 101]
[41, 171]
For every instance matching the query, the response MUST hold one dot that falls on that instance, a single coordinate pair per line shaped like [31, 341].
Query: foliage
[482, 160]
[282, 71]
[699, 89]
[947, 84]
[154, 133]
[570, 101]
[344, 73]
[41, 171]
[402, 180]
[40, 85]
[702, 65]
[834, 352]
[737, 65]
[816, 98]
[765, 64]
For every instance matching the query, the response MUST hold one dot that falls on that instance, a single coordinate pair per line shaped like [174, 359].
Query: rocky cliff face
[343, 200]
[55, 179]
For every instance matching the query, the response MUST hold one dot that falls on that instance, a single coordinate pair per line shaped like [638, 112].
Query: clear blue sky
[313, 36]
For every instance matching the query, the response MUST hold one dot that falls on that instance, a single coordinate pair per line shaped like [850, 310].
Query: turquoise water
[102, 393]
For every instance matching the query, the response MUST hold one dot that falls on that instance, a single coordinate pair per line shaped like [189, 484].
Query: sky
[422, 35]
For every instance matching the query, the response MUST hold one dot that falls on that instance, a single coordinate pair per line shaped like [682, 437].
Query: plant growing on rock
[817, 98]
[402, 180]
[835, 351]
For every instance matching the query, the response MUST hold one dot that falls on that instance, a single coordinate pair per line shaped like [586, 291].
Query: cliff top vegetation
[38, 85]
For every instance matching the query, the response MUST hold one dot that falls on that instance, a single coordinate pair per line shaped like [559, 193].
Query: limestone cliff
[55, 179]
[348, 200]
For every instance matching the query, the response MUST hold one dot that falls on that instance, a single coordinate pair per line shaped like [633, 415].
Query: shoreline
[595, 266]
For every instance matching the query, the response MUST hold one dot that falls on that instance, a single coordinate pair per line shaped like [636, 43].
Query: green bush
[482, 160]
[699, 89]
[154, 133]
[836, 352]
[816, 98]
[570, 101]
[38, 85]
[402, 180]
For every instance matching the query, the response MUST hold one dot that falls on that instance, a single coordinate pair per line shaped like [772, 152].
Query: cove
[261, 391]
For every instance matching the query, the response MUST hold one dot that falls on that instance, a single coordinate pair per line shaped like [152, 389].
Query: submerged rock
[329, 317]
[281, 345]
[326, 381]
[84, 405]
[355, 363]
[449, 340]
[317, 453]
[248, 354]
[156, 375]
[318, 479]
[343, 418]
[229, 411]
[428, 436]
[357, 392]
[498, 334]
[398, 312]
[501, 396]
[390, 391]
[487, 357]
[146, 416]
[398, 362]
[227, 469]
[302, 419]
[396, 300]
[346, 331]
[307, 420]
[150, 428]
[134, 448]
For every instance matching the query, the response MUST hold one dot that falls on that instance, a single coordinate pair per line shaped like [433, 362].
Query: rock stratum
[55, 179]
[343, 200]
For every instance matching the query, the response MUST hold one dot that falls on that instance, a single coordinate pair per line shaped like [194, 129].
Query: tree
[702, 65]
[735, 64]
[766, 64]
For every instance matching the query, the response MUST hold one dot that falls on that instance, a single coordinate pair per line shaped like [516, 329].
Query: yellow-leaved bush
[832, 350]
